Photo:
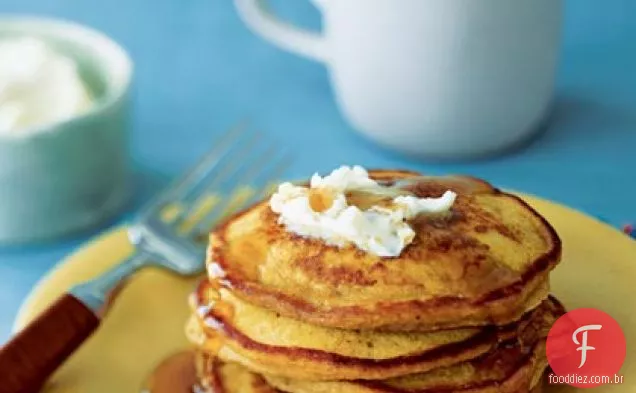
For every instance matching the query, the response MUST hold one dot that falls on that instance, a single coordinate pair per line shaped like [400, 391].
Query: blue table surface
[199, 70]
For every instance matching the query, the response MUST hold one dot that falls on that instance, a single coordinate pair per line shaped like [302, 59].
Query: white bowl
[73, 174]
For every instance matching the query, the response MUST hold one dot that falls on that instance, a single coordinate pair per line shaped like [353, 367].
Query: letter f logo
[583, 344]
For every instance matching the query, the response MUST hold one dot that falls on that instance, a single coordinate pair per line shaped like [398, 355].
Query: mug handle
[255, 14]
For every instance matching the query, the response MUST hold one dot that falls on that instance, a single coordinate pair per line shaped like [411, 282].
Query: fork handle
[40, 348]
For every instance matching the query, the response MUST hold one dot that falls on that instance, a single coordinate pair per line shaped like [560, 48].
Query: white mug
[444, 78]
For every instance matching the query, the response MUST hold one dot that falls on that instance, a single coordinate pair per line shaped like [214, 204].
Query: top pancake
[477, 265]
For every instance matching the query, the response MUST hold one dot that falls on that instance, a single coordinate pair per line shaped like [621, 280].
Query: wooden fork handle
[27, 360]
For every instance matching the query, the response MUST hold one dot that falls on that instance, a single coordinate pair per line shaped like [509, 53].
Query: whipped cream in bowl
[38, 86]
[324, 210]
[64, 120]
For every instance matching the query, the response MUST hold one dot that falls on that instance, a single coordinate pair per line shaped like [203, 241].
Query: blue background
[199, 70]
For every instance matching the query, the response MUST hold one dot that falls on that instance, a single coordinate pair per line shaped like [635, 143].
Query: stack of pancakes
[464, 308]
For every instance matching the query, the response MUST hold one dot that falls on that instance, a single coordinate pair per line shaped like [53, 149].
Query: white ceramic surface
[72, 174]
[443, 78]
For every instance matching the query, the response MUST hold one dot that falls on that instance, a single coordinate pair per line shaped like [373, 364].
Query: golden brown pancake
[510, 369]
[269, 343]
[482, 263]
[515, 365]
[507, 370]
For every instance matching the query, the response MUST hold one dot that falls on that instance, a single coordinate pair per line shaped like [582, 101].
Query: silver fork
[173, 243]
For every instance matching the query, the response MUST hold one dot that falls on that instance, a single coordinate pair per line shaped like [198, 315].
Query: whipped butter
[38, 86]
[322, 211]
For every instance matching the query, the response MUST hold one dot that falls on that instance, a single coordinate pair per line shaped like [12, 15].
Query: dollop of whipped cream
[321, 211]
[37, 86]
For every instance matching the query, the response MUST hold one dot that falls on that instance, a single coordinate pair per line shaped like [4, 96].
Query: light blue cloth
[198, 71]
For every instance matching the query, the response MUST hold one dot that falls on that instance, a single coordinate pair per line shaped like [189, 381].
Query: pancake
[485, 262]
[515, 365]
[220, 377]
[510, 369]
[269, 343]
[507, 370]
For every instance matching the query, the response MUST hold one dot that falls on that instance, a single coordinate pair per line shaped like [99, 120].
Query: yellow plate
[146, 323]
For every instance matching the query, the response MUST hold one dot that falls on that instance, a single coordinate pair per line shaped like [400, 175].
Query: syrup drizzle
[175, 374]
[211, 306]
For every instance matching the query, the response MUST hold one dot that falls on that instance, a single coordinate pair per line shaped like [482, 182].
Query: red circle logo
[586, 348]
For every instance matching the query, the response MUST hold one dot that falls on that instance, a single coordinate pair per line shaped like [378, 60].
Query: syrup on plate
[176, 374]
